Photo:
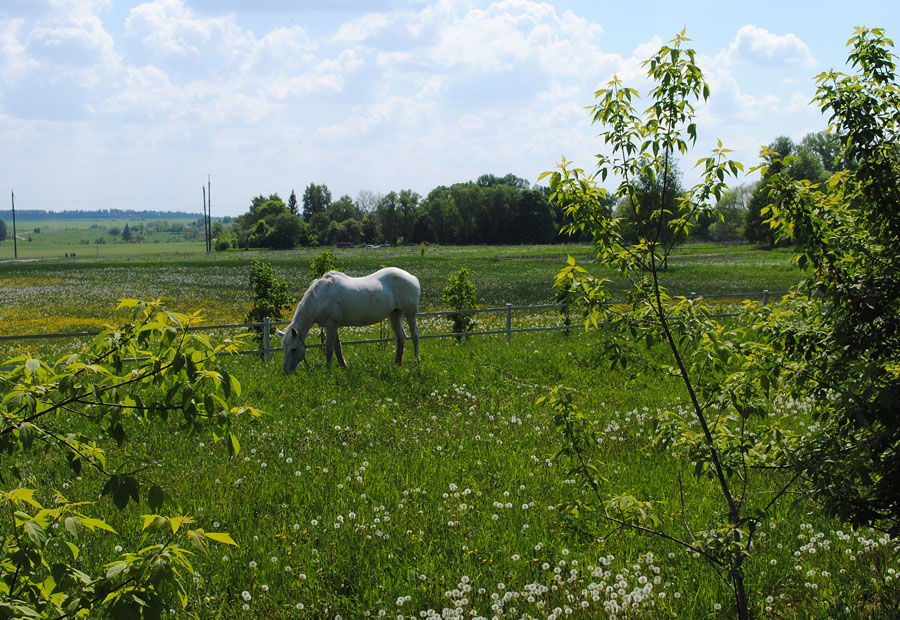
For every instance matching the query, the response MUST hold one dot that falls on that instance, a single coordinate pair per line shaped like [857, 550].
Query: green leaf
[23, 495]
[156, 497]
[220, 537]
[234, 446]
[36, 533]
[115, 569]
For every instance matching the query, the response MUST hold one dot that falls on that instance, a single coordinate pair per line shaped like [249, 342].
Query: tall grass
[430, 490]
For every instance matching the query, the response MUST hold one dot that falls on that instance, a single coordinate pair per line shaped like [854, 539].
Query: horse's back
[403, 285]
[348, 300]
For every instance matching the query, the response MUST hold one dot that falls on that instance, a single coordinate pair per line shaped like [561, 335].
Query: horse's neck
[305, 315]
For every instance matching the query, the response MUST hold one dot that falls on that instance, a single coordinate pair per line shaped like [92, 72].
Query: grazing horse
[336, 300]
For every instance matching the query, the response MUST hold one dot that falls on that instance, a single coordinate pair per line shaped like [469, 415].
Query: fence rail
[265, 349]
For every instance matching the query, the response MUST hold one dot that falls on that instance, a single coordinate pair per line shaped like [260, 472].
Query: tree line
[509, 210]
[490, 210]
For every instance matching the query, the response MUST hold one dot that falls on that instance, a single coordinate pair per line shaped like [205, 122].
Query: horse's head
[294, 348]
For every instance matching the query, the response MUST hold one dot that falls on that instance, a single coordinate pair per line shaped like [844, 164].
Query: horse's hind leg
[413, 333]
[337, 349]
[397, 326]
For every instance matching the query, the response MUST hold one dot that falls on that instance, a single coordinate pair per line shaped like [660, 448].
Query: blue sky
[126, 104]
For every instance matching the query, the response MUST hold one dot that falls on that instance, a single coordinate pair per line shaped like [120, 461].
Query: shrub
[322, 264]
[459, 294]
[270, 295]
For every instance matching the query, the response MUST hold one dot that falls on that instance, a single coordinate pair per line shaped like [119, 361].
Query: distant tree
[534, 220]
[387, 209]
[293, 207]
[408, 205]
[440, 216]
[126, 234]
[318, 228]
[2, 230]
[731, 210]
[343, 209]
[269, 224]
[828, 147]
[510, 180]
[657, 205]
[316, 199]
[352, 231]
[367, 201]
[469, 201]
[371, 229]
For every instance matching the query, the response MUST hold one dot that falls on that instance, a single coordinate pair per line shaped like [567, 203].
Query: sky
[135, 105]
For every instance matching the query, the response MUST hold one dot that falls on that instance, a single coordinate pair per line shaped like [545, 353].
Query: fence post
[265, 340]
[508, 323]
[765, 297]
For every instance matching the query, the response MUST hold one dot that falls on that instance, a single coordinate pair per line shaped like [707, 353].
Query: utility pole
[209, 216]
[15, 241]
[205, 232]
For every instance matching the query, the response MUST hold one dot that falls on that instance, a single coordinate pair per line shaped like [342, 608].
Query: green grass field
[59, 239]
[430, 490]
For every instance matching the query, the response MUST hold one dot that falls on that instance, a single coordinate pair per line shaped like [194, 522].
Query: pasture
[100, 238]
[430, 490]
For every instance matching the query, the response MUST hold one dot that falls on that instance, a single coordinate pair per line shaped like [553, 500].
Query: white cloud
[14, 61]
[359, 29]
[758, 45]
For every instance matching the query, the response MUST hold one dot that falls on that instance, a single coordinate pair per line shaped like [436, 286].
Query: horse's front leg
[330, 340]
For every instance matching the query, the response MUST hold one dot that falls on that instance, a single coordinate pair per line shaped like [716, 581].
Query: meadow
[430, 490]
[97, 239]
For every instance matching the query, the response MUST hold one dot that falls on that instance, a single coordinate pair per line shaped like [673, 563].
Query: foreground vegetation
[394, 491]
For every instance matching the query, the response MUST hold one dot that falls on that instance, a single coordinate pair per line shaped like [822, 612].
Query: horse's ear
[294, 332]
[280, 332]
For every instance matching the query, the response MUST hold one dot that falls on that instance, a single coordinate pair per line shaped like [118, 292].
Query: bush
[149, 372]
[459, 294]
[322, 264]
[270, 296]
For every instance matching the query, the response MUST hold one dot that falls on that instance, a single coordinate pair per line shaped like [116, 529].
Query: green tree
[828, 147]
[756, 226]
[731, 212]
[460, 294]
[371, 229]
[840, 335]
[2, 230]
[149, 371]
[269, 224]
[126, 234]
[316, 199]
[292, 204]
[343, 209]
[271, 296]
[440, 216]
[388, 216]
[720, 366]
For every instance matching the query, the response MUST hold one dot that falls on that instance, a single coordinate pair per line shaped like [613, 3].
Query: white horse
[336, 300]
